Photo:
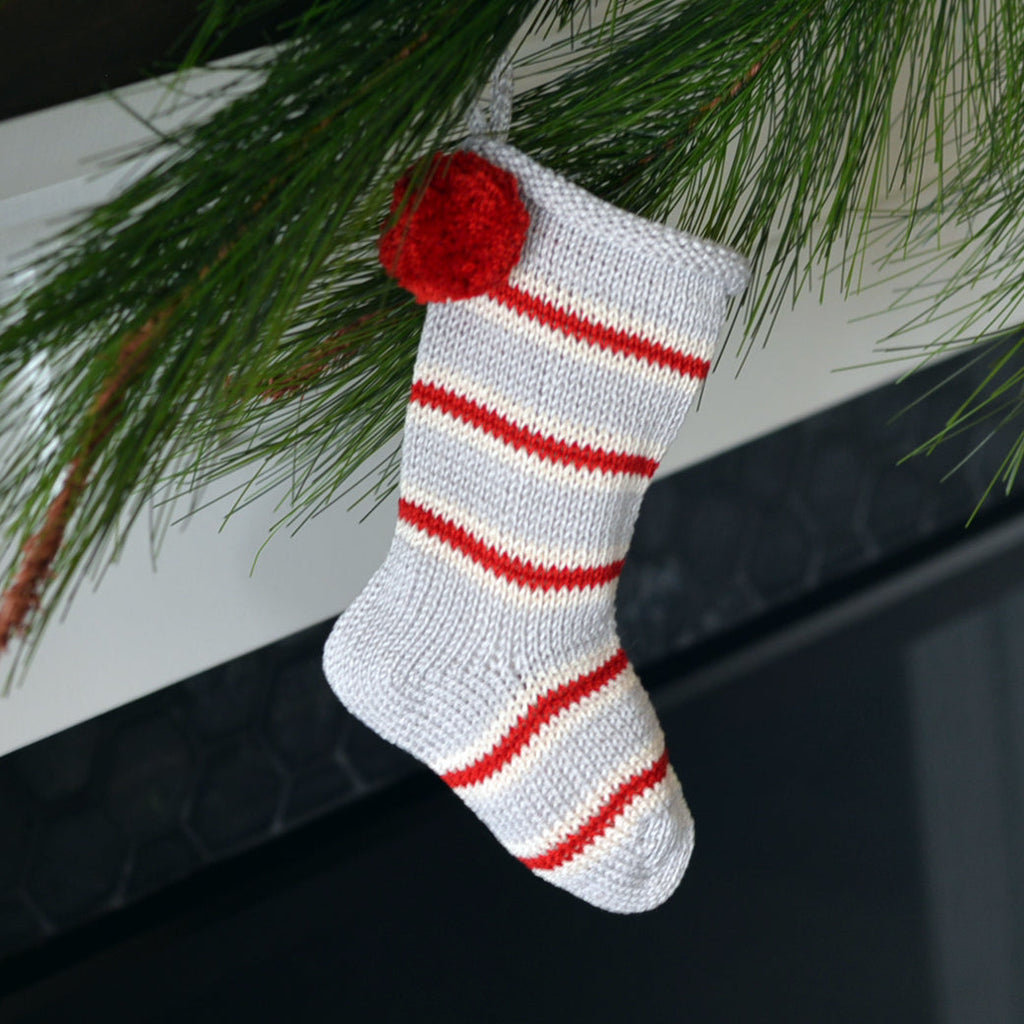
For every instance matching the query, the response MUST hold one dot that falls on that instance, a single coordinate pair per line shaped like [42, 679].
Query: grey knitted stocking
[486, 644]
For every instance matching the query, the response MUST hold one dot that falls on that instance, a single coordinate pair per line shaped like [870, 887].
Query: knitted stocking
[486, 644]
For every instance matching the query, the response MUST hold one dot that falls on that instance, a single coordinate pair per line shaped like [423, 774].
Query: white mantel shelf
[143, 629]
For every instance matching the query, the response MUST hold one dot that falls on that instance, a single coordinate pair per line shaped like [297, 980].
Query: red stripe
[602, 821]
[526, 574]
[597, 334]
[530, 723]
[546, 447]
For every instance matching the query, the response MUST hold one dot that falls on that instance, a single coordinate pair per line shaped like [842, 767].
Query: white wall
[143, 629]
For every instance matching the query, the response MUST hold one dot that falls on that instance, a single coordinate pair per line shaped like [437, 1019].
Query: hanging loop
[494, 118]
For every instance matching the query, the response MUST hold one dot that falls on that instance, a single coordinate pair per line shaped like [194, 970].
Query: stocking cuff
[571, 210]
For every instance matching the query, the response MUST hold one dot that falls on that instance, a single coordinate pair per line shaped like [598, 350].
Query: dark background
[55, 51]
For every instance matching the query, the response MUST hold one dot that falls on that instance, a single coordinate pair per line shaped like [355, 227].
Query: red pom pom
[462, 233]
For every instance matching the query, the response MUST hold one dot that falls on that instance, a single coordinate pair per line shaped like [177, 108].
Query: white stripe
[558, 474]
[601, 314]
[522, 700]
[516, 595]
[573, 718]
[658, 799]
[557, 834]
[533, 419]
[605, 359]
[539, 554]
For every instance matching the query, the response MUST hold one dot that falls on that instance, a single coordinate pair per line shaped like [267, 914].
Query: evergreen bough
[227, 311]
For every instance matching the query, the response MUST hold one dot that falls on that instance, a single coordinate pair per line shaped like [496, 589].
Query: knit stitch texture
[486, 643]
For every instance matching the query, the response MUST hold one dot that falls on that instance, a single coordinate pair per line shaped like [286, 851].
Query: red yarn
[461, 235]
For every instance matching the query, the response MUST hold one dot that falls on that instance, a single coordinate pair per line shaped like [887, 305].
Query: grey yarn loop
[494, 118]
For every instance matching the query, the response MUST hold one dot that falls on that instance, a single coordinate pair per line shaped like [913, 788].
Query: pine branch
[800, 131]
[230, 283]
[23, 596]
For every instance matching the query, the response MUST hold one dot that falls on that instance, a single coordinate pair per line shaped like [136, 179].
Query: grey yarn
[486, 644]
